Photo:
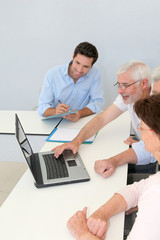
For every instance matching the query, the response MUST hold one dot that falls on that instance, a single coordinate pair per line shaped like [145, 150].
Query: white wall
[35, 35]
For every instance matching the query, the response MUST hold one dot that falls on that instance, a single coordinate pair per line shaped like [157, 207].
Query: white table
[30, 120]
[31, 213]
[79, 124]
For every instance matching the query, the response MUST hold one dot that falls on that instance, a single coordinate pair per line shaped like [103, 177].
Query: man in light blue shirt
[74, 86]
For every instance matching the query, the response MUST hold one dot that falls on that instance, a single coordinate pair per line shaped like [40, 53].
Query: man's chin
[126, 100]
[77, 76]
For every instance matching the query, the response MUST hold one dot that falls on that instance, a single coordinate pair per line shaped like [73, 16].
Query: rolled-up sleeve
[131, 193]
[47, 95]
[96, 94]
[143, 156]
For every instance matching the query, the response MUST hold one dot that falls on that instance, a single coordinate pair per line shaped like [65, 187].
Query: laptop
[45, 168]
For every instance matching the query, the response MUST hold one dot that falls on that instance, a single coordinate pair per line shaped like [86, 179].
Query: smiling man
[74, 86]
[134, 83]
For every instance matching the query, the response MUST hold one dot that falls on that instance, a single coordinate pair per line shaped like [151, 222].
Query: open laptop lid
[23, 142]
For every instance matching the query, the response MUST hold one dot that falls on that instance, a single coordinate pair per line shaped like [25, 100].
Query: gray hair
[139, 70]
[156, 74]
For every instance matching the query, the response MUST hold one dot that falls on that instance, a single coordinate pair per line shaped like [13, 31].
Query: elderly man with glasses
[134, 83]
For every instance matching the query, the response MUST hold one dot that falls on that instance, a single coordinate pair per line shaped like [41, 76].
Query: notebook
[58, 115]
[66, 135]
[46, 170]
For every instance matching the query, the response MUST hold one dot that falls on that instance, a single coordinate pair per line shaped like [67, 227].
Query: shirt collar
[66, 69]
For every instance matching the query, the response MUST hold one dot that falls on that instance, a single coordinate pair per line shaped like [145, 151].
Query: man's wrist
[114, 161]
[79, 114]
[85, 112]
[77, 141]
[49, 112]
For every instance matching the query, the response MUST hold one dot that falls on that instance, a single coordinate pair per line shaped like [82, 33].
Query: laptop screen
[23, 141]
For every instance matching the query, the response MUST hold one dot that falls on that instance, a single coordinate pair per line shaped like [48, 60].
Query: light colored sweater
[146, 195]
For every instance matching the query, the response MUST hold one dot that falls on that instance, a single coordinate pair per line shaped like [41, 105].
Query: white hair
[139, 70]
[156, 74]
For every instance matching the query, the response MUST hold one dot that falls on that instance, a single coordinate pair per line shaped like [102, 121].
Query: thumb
[75, 149]
[84, 211]
[108, 173]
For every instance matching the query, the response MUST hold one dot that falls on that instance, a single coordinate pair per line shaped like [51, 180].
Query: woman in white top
[144, 194]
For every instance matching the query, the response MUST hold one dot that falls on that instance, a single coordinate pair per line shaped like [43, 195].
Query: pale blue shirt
[143, 156]
[58, 85]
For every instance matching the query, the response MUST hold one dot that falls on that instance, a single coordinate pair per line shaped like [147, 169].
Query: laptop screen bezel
[17, 124]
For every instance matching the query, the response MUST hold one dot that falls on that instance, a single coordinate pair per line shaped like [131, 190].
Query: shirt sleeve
[131, 193]
[120, 104]
[143, 156]
[96, 94]
[47, 94]
[146, 194]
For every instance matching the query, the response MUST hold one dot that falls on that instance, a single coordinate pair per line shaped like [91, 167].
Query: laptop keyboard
[56, 167]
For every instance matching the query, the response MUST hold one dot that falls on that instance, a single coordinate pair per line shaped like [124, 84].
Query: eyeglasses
[143, 129]
[123, 87]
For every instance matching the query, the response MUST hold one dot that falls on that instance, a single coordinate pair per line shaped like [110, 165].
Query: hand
[77, 224]
[105, 167]
[73, 117]
[97, 224]
[66, 146]
[62, 108]
[130, 140]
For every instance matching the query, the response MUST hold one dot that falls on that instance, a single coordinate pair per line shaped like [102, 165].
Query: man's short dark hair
[88, 50]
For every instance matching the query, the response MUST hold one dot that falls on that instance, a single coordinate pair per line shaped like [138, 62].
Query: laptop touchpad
[71, 163]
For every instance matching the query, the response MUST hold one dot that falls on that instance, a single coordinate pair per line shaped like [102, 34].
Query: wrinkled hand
[105, 167]
[129, 141]
[73, 117]
[77, 224]
[66, 146]
[62, 108]
[97, 224]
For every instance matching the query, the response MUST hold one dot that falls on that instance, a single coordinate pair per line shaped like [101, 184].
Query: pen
[61, 102]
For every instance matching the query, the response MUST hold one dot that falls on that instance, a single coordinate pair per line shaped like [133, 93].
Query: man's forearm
[49, 112]
[98, 122]
[128, 156]
[91, 128]
[85, 112]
